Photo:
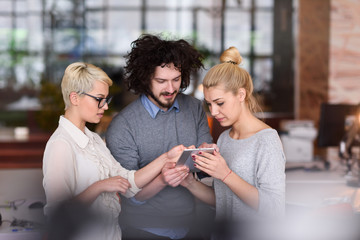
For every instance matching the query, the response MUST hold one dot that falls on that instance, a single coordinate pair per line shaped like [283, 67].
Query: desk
[25, 187]
[29, 232]
[320, 206]
[319, 188]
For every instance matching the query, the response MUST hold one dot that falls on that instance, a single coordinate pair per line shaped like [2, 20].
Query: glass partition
[39, 38]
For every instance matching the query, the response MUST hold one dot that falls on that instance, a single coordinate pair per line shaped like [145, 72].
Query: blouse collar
[80, 138]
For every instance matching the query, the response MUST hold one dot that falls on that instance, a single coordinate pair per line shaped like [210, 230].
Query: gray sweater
[260, 161]
[135, 139]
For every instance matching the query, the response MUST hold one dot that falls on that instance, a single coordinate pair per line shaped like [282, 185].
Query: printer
[297, 137]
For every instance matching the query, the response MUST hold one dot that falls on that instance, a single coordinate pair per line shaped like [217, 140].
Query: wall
[328, 55]
[328, 58]
[312, 57]
[344, 77]
[344, 68]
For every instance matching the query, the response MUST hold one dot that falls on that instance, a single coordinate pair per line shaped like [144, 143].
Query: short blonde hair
[79, 77]
[232, 76]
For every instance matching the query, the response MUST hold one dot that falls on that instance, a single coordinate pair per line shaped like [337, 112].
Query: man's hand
[173, 175]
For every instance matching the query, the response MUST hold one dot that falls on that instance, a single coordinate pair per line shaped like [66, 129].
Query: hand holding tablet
[186, 159]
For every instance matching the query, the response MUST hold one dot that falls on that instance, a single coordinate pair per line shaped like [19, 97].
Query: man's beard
[161, 104]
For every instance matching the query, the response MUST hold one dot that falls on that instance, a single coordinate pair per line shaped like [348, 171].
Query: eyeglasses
[101, 100]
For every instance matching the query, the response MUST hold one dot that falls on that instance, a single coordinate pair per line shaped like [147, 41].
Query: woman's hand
[209, 145]
[173, 154]
[188, 181]
[212, 164]
[113, 184]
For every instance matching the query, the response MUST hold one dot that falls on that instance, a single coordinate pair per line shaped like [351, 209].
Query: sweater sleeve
[121, 143]
[271, 176]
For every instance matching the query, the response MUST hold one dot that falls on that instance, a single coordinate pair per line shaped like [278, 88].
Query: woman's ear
[242, 94]
[74, 98]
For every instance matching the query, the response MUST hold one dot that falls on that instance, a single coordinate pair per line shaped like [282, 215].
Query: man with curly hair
[162, 117]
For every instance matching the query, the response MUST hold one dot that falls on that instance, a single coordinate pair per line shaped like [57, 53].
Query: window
[40, 38]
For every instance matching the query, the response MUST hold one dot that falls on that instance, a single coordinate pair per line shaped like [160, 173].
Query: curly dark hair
[150, 51]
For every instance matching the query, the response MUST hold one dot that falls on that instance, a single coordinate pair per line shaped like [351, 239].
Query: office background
[286, 44]
[300, 53]
[42, 37]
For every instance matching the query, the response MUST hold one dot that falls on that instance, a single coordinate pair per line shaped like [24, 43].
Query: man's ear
[242, 94]
[74, 98]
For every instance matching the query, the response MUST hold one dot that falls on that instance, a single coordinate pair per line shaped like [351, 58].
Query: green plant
[52, 105]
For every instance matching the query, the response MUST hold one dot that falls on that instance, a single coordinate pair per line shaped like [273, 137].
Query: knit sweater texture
[260, 161]
[135, 139]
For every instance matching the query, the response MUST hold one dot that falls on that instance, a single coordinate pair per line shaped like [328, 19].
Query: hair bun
[231, 55]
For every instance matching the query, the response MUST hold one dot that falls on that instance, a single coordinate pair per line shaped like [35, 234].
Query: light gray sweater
[135, 139]
[260, 161]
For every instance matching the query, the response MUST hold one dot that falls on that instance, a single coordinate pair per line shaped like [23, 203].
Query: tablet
[186, 159]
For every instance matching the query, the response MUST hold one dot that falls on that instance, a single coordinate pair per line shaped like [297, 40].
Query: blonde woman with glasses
[77, 164]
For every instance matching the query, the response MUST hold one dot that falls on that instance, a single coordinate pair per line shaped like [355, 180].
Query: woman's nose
[214, 111]
[106, 106]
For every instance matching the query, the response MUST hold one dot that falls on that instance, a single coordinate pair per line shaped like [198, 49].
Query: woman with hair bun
[249, 169]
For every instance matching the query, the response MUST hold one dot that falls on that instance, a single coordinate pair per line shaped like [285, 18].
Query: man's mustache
[167, 93]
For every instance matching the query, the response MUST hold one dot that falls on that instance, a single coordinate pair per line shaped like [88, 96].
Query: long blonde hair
[234, 77]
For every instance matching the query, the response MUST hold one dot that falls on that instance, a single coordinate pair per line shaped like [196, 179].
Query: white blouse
[73, 161]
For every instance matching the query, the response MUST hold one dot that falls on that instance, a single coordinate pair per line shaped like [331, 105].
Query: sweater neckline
[255, 135]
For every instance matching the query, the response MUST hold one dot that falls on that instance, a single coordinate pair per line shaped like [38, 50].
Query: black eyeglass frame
[99, 99]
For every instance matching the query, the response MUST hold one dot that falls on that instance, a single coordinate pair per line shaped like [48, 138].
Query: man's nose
[170, 87]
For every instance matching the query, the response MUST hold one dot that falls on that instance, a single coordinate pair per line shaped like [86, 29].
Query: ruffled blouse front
[73, 160]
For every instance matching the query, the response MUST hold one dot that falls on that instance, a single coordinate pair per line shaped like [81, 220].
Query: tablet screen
[186, 159]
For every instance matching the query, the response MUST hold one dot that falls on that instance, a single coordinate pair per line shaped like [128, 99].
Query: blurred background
[300, 53]
[303, 55]
[40, 38]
